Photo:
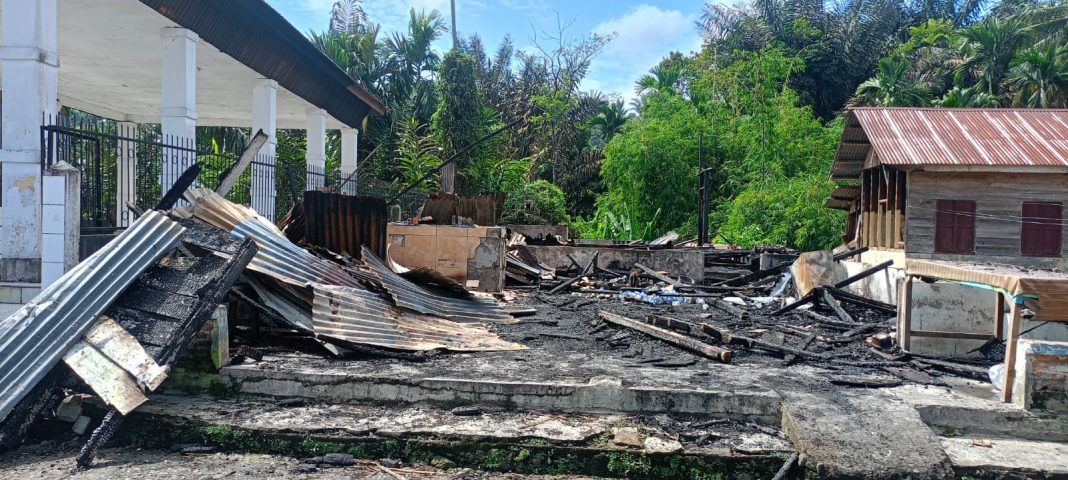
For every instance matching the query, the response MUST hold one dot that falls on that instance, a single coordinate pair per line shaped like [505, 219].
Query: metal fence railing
[132, 162]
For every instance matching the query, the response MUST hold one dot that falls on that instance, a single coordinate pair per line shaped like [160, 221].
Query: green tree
[784, 212]
[650, 169]
[418, 155]
[1040, 77]
[989, 47]
[891, 87]
[457, 122]
[968, 98]
[609, 121]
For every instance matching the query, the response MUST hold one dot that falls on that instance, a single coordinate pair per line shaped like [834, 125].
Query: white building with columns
[176, 63]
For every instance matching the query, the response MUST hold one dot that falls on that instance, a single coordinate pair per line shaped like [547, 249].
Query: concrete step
[1001, 457]
[973, 408]
[654, 391]
[862, 434]
[519, 441]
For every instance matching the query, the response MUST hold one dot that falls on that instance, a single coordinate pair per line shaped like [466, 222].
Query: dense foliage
[759, 105]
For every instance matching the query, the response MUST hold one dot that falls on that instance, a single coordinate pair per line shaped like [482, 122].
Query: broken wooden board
[115, 343]
[107, 379]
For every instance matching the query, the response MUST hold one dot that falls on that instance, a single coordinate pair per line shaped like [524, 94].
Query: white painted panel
[53, 189]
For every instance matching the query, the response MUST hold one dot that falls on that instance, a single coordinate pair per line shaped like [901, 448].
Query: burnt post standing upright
[702, 192]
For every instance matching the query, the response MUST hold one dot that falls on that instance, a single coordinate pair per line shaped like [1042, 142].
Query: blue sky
[646, 30]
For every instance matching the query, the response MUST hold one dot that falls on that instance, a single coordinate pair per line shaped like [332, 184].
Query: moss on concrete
[533, 456]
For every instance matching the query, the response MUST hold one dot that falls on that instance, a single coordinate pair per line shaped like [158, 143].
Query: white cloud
[644, 35]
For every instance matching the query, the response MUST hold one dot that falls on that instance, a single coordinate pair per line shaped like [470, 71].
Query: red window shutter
[1040, 233]
[955, 226]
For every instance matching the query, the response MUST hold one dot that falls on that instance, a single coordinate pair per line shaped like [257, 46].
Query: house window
[955, 226]
[1040, 235]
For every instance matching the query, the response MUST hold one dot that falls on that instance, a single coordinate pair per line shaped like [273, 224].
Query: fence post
[61, 221]
[127, 173]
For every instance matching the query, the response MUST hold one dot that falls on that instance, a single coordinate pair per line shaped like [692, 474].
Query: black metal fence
[120, 161]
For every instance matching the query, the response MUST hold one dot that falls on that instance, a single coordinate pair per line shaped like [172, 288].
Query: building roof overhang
[948, 139]
[110, 57]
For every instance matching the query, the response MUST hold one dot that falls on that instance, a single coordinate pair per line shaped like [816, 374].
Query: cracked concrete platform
[364, 420]
[531, 379]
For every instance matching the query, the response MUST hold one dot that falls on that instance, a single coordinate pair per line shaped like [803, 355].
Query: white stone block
[52, 247]
[52, 218]
[54, 190]
[50, 272]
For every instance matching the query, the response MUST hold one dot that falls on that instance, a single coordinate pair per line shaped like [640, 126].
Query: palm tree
[891, 86]
[989, 47]
[661, 78]
[414, 62]
[610, 119]
[1040, 77]
[968, 98]
[1046, 22]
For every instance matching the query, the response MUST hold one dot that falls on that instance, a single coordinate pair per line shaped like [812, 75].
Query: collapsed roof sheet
[34, 338]
[354, 320]
[277, 256]
[359, 316]
[409, 295]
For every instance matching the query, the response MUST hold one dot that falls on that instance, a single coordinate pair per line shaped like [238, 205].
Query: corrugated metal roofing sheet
[971, 136]
[34, 338]
[409, 295]
[277, 257]
[362, 317]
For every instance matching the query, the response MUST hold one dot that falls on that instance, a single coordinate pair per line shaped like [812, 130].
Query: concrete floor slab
[523, 380]
[862, 434]
[987, 455]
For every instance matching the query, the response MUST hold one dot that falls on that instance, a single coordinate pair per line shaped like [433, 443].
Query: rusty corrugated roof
[969, 136]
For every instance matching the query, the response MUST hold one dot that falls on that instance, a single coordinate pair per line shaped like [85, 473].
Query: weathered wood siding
[998, 194]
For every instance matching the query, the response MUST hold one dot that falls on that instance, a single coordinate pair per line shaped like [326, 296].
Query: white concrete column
[126, 183]
[30, 67]
[264, 117]
[178, 102]
[315, 153]
[349, 141]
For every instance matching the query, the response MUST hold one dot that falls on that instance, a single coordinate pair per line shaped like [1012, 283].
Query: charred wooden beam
[833, 305]
[585, 271]
[230, 176]
[851, 253]
[668, 336]
[180, 186]
[657, 275]
[864, 274]
[860, 301]
[205, 284]
[730, 308]
[727, 337]
[809, 297]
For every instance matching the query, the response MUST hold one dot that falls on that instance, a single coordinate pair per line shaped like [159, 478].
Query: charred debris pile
[758, 315]
[116, 324]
